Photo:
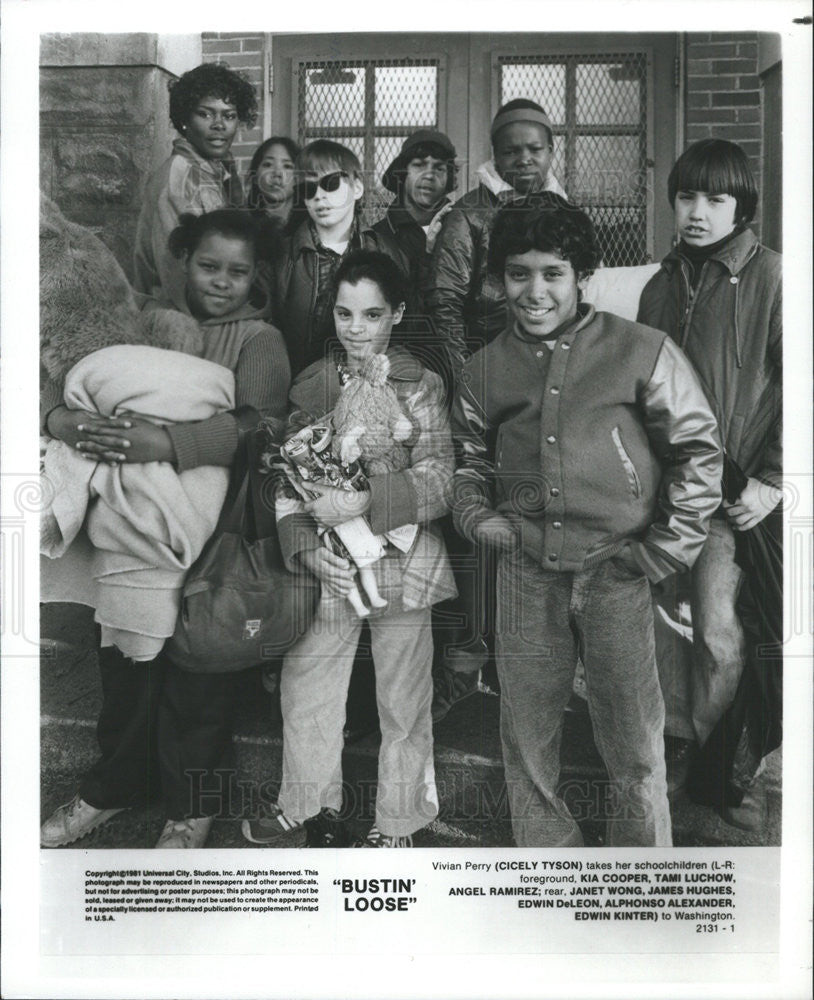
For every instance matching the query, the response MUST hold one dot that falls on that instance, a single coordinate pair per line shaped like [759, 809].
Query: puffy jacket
[603, 440]
[730, 328]
[466, 304]
[415, 495]
[295, 289]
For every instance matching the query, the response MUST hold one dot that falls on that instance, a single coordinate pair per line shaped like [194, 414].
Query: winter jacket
[466, 304]
[603, 440]
[185, 182]
[416, 332]
[295, 289]
[730, 328]
[416, 495]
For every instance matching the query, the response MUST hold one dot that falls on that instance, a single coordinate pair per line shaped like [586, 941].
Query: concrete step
[469, 769]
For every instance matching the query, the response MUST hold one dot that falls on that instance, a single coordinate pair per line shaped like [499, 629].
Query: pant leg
[674, 653]
[195, 725]
[536, 655]
[127, 772]
[406, 798]
[313, 690]
[614, 617]
[719, 650]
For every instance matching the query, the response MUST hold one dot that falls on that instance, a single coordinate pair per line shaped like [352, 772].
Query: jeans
[544, 621]
[313, 688]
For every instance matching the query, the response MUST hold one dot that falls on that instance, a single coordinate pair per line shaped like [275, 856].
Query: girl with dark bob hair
[206, 106]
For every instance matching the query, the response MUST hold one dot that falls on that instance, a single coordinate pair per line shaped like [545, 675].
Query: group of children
[583, 450]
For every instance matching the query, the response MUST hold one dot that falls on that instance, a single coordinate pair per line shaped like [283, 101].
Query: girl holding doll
[160, 725]
[369, 295]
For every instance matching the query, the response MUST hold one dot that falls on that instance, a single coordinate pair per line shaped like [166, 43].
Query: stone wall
[104, 125]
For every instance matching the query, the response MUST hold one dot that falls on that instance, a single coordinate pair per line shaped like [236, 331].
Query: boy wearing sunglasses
[325, 225]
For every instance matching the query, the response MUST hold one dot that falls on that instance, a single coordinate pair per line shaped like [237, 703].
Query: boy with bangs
[719, 296]
[325, 226]
[603, 475]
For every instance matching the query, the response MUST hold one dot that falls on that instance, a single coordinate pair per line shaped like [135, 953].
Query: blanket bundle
[121, 538]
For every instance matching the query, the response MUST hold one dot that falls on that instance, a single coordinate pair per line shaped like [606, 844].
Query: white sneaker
[184, 833]
[72, 821]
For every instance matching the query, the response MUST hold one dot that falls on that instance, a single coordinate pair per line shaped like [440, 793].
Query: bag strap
[232, 516]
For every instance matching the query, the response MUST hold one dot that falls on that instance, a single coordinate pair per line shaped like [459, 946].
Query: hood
[488, 176]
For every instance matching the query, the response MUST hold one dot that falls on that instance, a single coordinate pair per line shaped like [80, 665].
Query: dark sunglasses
[328, 183]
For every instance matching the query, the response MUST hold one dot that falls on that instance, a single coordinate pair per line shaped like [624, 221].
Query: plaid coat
[417, 494]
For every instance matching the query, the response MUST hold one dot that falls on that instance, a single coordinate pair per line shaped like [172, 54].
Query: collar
[305, 237]
[399, 218]
[219, 168]
[489, 177]
[734, 255]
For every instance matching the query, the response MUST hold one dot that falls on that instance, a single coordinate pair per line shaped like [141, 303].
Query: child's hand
[125, 439]
[334, 506]
[498, 533]
[334, 572]
[757, 500]
[97, 438]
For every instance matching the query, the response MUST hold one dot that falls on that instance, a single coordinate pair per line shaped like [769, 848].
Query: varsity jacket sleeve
[452, 270]
[473, 483]
[418, 494]
[684, 435]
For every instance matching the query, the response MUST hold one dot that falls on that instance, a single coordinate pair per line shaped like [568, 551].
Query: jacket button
[557, 524]
[553, 557]
[555, 391]
[733, 280]
[539, 354]
[554, 491]
[551, 439]
[565, 346]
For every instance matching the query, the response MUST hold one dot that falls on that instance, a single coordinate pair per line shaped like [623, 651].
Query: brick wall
[724, 97]
[243, 51]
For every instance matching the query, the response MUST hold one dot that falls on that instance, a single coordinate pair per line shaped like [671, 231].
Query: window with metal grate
[598, 105]
[370, 107]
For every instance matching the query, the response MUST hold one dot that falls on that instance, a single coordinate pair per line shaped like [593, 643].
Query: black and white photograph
[411, 442]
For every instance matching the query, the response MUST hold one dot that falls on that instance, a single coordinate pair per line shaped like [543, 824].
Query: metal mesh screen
[598, 108]
[370, 107]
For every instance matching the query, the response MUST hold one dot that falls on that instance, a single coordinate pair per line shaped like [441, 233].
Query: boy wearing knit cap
[466, 305]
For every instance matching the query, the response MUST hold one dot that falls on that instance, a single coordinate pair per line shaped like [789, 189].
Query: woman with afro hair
[206, 106]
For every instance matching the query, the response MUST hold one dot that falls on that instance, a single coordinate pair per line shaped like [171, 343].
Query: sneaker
[74, 820]
[450, 687]
[185, 833]
[376, 838]
[467, 658]
[274, 829]
[326, 829]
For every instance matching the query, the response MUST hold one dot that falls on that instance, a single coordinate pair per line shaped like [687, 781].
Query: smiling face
[425, 182]
[364, 319]
[212, 127]
[542, 291]
[703, 218]
[275, 175]
[333, 211]
[522, 154]
[219, 276]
